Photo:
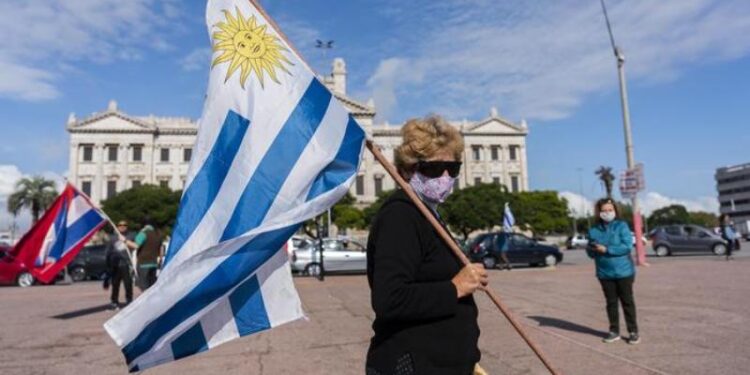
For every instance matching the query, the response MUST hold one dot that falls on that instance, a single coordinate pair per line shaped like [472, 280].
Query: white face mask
[607, 216]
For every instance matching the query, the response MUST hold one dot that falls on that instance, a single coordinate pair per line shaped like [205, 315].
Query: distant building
[111, 151]
[733, 185]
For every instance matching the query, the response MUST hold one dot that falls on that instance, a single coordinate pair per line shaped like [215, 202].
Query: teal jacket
[616, 263]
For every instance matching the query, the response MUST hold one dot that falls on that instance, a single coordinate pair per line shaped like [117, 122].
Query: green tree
[674, 214]
[704, 219]
[343, 214]
[541, 211]
[475, 207]
[35, 193]
[607, 178]
[348, 217]
[146, 201]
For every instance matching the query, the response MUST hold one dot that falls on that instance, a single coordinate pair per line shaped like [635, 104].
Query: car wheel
[78, 274]
[661, 251]
[312, 269]
[489, 263]
[550, 260]
[25, 280]
[720, 249]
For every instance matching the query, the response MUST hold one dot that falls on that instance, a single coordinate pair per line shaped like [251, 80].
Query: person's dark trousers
[122, 274]
[622, 290]
[146, 277]
[730, 247]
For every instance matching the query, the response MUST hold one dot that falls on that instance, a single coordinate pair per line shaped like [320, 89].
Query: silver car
[339, 255]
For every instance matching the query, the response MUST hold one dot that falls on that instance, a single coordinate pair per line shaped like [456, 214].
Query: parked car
[577, 241]
[339, 255]
[90, 263]
[485, 249]
[671, 239]
[12, 271]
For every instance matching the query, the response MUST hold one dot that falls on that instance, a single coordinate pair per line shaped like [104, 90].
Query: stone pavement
[693, 313]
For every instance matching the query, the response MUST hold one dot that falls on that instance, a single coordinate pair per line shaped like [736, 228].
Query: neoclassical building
[112, 151]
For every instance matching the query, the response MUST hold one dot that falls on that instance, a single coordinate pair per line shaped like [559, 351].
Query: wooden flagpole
[425, 211]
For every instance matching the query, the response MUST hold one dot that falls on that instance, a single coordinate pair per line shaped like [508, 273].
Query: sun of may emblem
[249, 48]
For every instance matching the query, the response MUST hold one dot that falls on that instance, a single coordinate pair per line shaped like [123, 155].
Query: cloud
[388, 77]
[652, 201]
[41, 38]
[9, 176]
[198, 59]
[578, 205]
[540, 60]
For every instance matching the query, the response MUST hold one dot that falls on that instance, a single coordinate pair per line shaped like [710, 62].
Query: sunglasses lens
[435, 169]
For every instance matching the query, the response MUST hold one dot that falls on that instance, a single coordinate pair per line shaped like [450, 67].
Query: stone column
[98, 183]
[73, 165]
[524, 177]
[122, 157]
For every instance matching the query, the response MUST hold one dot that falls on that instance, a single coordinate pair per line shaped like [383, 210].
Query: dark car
[90, 263]
[485, 248]
[671, 239]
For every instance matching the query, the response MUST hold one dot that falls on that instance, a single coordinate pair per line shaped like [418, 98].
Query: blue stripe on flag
[344, 165]
[205, 186]
[191, 342]
[57, 248]
[248, 308]
[83, 226]
[279, 160]
[233, 270]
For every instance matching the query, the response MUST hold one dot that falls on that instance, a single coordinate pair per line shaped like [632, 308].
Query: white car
[339, 255]
[577, 241]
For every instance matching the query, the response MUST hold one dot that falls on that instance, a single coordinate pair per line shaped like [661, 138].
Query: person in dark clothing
[727, 233]
[610, 245]
[425, 315]
[119, 265]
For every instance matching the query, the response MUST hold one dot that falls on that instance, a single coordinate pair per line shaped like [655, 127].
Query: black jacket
[418, 317]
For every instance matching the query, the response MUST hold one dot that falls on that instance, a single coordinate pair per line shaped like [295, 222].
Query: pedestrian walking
[727, 233]
[149, 251]
[119, 265]
[610, 245]
[425, 315]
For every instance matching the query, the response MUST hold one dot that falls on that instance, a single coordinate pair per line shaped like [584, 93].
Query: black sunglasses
[434, 169]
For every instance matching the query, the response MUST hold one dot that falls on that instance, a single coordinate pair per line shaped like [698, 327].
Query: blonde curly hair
[422, 139]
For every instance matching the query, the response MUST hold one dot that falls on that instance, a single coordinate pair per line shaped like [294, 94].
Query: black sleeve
[395, 293]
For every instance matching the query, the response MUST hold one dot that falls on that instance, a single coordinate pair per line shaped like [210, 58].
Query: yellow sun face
[248, 48]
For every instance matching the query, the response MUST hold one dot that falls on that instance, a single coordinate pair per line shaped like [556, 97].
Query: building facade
[733, 186]
[111, 151]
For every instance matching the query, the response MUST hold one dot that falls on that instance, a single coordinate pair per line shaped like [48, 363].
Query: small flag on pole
[508, 220]
[59, 235]
[274, 149]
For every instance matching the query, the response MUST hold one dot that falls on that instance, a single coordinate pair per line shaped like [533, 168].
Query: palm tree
[605, 174]
[35, 193]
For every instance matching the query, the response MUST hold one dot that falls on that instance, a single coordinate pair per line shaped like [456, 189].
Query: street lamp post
[637, 222]
[324, 47]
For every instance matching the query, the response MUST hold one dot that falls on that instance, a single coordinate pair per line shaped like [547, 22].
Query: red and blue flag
[59, 235]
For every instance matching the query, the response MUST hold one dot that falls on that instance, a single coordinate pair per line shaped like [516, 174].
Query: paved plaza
[694, 314]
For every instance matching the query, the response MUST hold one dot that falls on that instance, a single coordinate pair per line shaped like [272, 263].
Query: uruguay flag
[59, 235]
[508, 220]
[274, 149]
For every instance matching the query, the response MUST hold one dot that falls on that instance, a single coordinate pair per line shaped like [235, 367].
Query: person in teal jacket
[610, 244]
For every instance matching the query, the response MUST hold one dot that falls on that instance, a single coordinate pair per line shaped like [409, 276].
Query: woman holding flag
[425, 315]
